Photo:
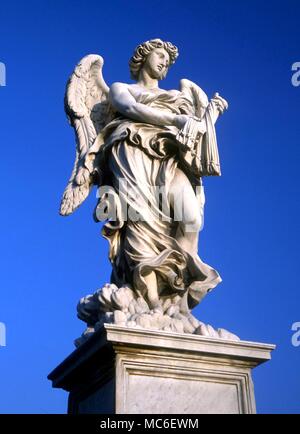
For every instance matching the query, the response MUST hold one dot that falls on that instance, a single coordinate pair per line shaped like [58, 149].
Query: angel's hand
[220, 103]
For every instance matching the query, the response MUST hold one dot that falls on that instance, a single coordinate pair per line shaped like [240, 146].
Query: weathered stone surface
[130, 370]
[146, 149]
[121, 306]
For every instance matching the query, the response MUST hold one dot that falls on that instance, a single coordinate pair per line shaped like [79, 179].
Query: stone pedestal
[131, 371]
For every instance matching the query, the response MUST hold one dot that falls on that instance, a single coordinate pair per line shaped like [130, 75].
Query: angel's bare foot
[156, 306]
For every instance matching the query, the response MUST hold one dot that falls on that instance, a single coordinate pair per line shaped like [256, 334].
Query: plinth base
[136, 371]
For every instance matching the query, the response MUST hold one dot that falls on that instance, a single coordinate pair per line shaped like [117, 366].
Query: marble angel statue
[146, 149]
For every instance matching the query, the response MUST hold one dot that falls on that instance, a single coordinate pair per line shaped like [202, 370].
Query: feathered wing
[87, 108]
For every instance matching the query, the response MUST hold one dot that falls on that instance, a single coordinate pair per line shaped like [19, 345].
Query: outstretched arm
[122, 101]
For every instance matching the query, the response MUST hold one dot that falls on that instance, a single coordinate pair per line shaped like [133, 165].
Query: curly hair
[143, 50]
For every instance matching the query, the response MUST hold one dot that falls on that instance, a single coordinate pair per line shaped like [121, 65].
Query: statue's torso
[170, 100]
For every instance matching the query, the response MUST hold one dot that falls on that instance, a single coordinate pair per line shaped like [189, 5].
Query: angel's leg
[186, 208]
[152, 290]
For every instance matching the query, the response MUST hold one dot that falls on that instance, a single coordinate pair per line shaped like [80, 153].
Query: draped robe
[136, 158]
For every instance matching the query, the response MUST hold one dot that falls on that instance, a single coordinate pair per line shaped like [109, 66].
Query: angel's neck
[146, 81]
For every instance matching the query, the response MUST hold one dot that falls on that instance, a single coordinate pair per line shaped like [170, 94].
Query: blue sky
[242, 49]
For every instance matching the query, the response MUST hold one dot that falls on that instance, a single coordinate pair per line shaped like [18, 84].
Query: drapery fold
[139, 159]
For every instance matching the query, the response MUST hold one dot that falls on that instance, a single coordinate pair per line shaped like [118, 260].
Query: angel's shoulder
[117, 87]
[119, 84]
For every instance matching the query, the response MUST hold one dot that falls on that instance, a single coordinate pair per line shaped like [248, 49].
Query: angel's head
[156, 56]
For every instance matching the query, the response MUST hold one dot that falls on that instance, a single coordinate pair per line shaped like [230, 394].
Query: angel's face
[157, 63]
